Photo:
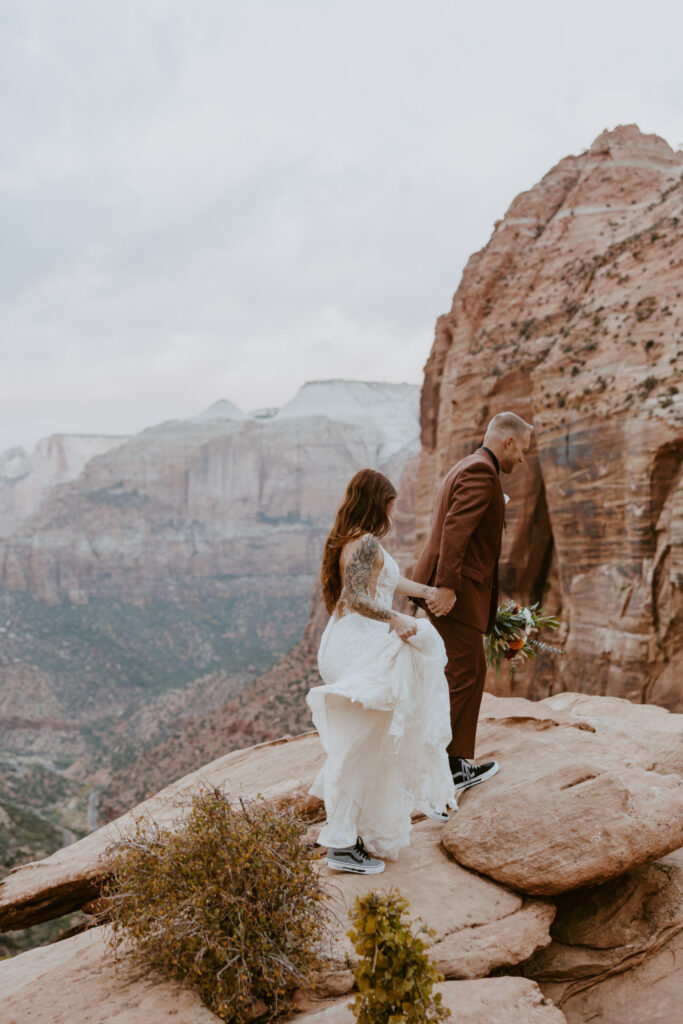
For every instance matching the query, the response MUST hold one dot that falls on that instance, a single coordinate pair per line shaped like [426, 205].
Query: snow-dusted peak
[393, 409]
[220, 410]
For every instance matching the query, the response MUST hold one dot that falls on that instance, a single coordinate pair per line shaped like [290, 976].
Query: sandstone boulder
[617, 950]
[657, 729]
[652, 730]
[479, 924]
[490, 1001]
[76, 981]
[569, 808]
[650, 991]
[502, 943]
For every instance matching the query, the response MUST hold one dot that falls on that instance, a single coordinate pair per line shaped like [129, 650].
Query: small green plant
[527, 328]
[645, 308]
[227, 900]
[395, 976]
[647, 385]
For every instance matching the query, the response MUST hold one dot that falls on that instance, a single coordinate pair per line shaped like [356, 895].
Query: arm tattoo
[357, 577]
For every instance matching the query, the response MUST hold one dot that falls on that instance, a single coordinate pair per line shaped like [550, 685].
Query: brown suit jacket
[463, 548]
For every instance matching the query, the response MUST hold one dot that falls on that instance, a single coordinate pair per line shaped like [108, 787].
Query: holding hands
[440, 600]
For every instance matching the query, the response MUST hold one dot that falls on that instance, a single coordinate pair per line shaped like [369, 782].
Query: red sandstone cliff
[572, 316]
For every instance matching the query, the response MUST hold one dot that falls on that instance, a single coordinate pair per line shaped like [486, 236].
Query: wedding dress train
[384, 721]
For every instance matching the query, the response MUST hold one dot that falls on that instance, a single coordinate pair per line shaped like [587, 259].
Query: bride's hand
[404, 625]
[441, 601]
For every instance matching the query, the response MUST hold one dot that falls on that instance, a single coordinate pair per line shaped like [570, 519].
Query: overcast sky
[224, 199]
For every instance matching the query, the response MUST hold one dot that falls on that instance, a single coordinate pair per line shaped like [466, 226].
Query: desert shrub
[646, 307]
[647, 385]
[395, 976]
[227, 899]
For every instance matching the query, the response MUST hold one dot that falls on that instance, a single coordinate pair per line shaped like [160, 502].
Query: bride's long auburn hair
[363, 510]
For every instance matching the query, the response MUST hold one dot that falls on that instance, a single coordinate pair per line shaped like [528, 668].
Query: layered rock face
[212, 498]
[617, 949]
[572, 316]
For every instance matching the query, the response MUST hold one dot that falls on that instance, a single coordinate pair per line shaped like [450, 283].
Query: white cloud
[226, 199]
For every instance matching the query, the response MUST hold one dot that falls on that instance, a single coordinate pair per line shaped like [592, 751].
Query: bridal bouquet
[511, 637]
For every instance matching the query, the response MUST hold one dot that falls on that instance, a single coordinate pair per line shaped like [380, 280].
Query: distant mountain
[58, 459]
[382, 406]
[221, 410]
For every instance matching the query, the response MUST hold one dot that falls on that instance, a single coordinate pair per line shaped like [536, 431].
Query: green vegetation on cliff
[229, 902]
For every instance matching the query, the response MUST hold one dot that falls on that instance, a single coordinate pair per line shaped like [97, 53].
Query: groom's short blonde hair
[508, 423]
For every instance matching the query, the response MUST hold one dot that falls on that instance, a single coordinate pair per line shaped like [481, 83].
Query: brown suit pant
[466, 675]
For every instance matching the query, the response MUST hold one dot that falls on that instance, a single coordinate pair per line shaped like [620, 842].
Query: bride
[383, 712]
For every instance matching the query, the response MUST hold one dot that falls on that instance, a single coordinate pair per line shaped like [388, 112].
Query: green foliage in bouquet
[228, 900]
[395, 976]
[511, 636]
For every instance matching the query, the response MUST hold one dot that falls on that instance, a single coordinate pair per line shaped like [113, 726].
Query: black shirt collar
[495, 460]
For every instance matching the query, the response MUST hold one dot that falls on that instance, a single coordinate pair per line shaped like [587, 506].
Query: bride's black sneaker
[355, 859]
[466, 774]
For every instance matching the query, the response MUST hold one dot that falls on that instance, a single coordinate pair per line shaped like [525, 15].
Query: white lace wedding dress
[384, 721]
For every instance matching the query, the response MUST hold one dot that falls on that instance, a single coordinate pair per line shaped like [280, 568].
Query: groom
[460, 559]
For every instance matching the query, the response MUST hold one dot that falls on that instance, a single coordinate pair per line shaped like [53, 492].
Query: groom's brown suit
[462, 553]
